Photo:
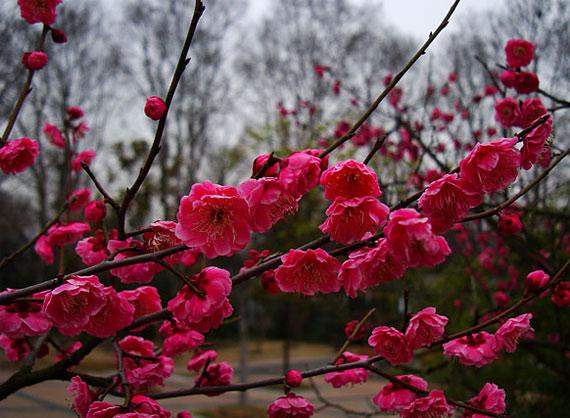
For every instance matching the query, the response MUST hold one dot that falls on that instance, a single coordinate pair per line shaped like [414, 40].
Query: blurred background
[251, 88]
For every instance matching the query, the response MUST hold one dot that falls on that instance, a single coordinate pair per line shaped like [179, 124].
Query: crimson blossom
[268, 202]
[346, 377]
[300, 172]
[351, 220]
[492, 166]
[432, 405]
[391, 344]
[425, 327]
[308, 272]
[39, 11]
[519, 52]
[290, 406]
[513, 330]
[214, 219]
[349, 179]
[18, 155]
[23, 319]
[206, 309]
[369, 267]
[394, 397]
[411, 240]
[533, 143]
[491, 398]
[447, 201]
[477, 350]
[507, 112]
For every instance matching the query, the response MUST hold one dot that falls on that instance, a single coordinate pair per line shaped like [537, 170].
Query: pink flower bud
[58, 36]
[35, 60]
[293, 378]
[536, 280]
[155, 108]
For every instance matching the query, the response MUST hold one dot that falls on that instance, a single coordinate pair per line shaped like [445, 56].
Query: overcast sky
[415, 17]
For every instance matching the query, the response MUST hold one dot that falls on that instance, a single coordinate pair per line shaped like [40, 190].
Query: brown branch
[99, 187]
[124, 383]
[97, 268]
[564, 103]
[24, 92]
[31, 242]
[155, 148]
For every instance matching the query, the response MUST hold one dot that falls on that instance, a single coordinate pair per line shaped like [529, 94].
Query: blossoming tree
[365, 243]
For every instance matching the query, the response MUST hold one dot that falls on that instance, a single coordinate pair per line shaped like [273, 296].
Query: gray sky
[415, 17]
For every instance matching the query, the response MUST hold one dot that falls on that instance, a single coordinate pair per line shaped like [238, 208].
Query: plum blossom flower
[79, 198]
[260, 161]
[519, 52]
[351, 220]
[479, 349]
[182, 342]
[145, 300]
[23, 319]
[144, 373]
[507, 112]
[92, 250]
[369, 267]
[349, 179]
[393, 397]
[15, 349]
[390, 344]
[268, 202]
[196, 363]
[534, 142]
[214, 219]
[300, 172]
[99, 409]
[433, 405]
[82, 396]
[116, 314]
[208, 309]
[161, 237]
[17, 155]
[44, 249]
[411, 240]
[95, 211]
[36, 11]
[60, 235]
[85, 157]
[216, 374]
[561, 295]
[526, 82]
[447, 201]
[492, 166]
[513, 330]
[73, 305]
[308, 272]
[352, 376]
[135, 273]
[290, 406]
[54, 135]
[425, 327]
[491, 398]
[148, 407]
[509, 221]
[531, 109]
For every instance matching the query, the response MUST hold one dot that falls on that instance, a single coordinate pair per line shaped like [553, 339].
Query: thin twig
[24, 92]
[353, 335]
[155, 148]
[99, 187]
[31, 242]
